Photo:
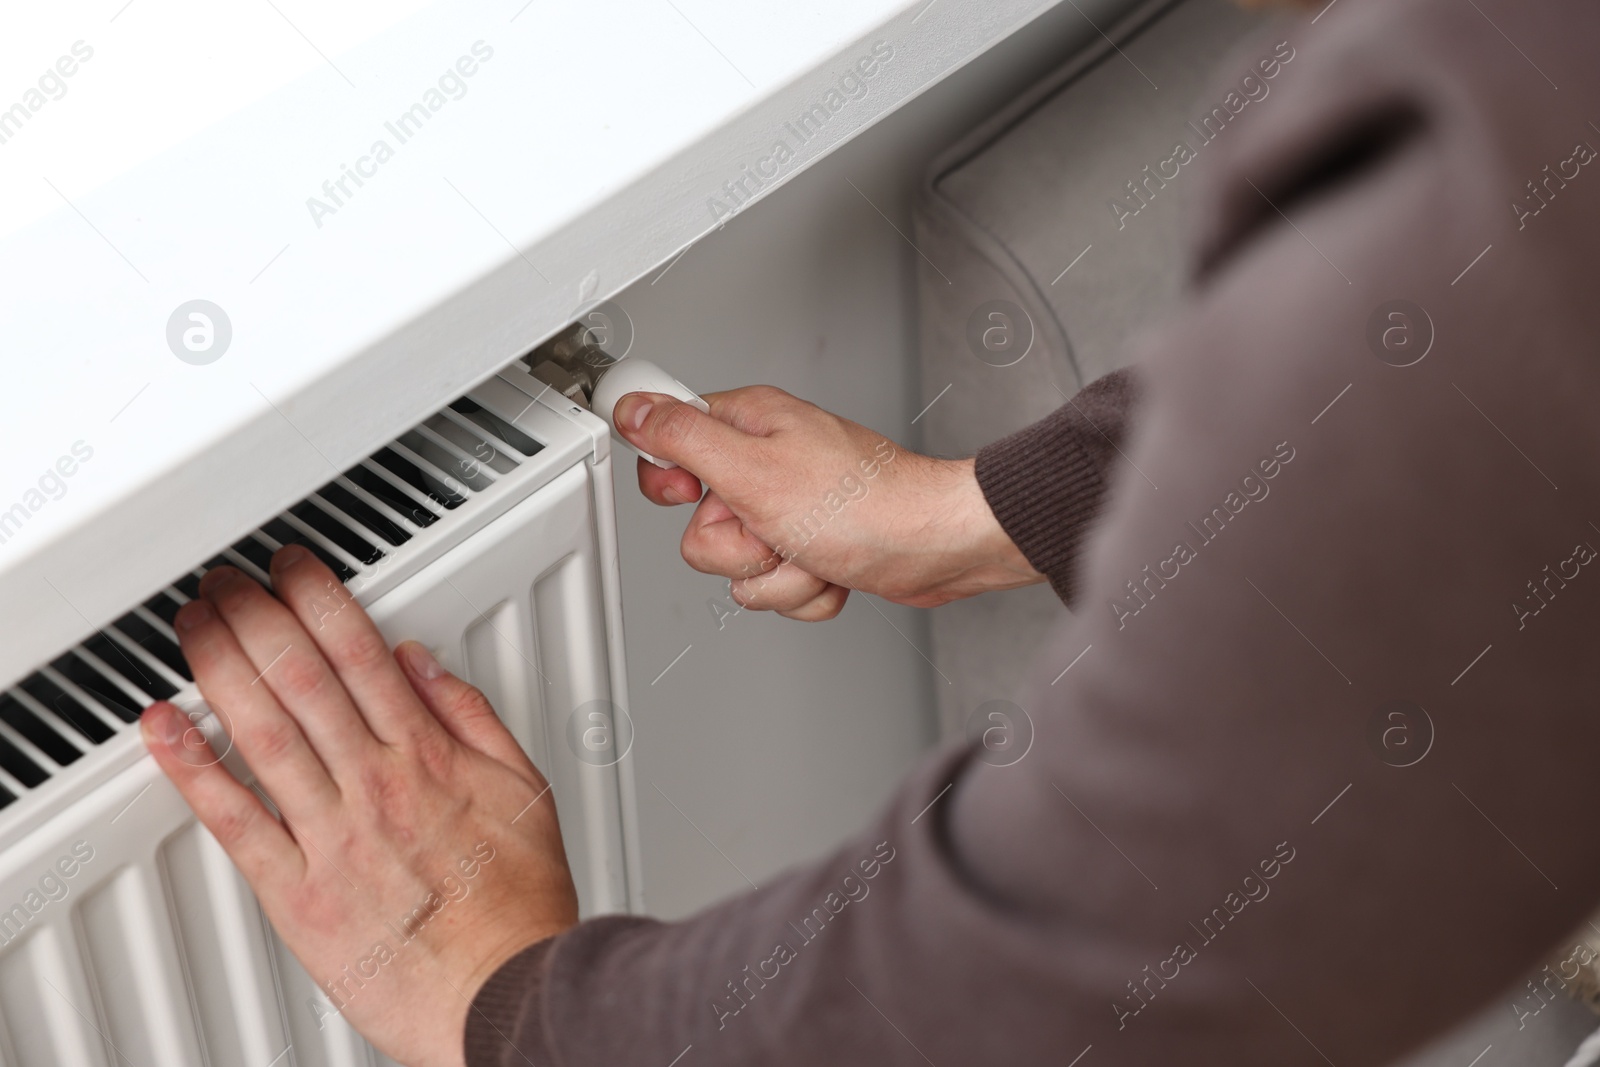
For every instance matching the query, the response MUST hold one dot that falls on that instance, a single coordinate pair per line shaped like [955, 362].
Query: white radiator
[127, 939]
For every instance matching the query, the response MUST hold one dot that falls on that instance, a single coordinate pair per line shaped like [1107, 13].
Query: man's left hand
[406, 846]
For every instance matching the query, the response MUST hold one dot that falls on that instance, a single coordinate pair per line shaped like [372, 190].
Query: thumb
[668, 428]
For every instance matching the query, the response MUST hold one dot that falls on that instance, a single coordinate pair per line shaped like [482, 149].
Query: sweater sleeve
[1046, 483]
[503, 1025]
[1303, 767]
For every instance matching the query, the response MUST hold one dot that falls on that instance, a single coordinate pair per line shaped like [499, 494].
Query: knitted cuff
[1047, 483]
[503, 1022]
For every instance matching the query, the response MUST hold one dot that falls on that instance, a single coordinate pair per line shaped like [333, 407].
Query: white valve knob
[638, 376]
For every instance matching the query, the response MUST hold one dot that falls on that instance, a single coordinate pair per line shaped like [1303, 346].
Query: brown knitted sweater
[1305, 795]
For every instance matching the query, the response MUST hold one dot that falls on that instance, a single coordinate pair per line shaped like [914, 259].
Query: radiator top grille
[97, 689]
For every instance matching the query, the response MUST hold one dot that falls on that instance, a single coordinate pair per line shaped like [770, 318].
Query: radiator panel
[126, 934]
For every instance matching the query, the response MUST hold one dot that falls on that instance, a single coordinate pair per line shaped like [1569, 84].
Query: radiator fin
[49, 1011]
[133, 967]
[223, 949]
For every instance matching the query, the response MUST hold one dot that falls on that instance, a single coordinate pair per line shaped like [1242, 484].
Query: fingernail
[422, 663]
[162, 723]
[215, 579]
[634, 410]
[173, 727]
[290, 556]
[672, 496]
[191, 615]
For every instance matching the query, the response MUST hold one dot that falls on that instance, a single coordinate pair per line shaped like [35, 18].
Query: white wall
[778, 738]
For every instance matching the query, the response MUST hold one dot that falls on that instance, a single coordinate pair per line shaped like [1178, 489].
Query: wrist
[971, 552]
[988, 554]
[496, 1001]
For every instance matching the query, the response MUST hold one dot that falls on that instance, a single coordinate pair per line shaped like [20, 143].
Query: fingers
[270, 741]
[286, 661]
[784, 588]
[823, 606]
[671, 429]
[257, 843]
[352, 647]
[462, 710]
[728, 448]
[757, 410]
[792, 593]
[667, 486]
[717, 542]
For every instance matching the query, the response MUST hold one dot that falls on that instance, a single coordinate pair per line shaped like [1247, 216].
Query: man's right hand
[803, 506]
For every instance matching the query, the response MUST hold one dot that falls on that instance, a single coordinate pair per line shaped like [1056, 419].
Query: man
[1203, 859]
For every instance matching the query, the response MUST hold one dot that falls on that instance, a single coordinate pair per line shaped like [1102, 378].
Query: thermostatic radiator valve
[584, 373]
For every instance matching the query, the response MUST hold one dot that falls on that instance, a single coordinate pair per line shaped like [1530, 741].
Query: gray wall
[778, 738]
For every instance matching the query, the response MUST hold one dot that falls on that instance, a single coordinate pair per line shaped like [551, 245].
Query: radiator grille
[97, 689]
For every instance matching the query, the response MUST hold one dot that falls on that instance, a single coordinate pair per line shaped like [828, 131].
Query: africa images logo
[799, 131]
[451, 85]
